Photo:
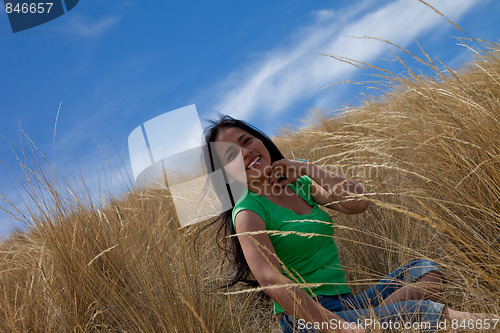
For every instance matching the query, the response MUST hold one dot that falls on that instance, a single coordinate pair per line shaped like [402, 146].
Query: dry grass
[428, 153]
[126, 268]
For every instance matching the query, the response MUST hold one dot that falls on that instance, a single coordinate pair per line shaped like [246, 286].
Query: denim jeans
[364, 308]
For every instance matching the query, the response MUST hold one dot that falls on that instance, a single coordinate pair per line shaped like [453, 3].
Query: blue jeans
[365, 309]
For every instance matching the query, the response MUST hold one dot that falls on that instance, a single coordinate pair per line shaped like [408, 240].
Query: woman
[283, 196]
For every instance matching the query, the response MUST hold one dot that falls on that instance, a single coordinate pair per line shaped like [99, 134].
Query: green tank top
[307, 259]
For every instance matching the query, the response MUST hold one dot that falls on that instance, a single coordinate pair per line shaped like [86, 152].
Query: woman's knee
[425, 278]
[429, 285]
[417, 269]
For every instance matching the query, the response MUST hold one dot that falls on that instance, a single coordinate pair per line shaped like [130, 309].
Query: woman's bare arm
[262, 260]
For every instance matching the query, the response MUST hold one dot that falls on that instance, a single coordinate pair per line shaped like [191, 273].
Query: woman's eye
[247, 140]
[230, 157]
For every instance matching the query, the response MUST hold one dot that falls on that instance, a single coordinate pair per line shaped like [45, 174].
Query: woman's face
[256, 157]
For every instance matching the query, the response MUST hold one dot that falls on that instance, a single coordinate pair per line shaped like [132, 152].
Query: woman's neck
[264, 188]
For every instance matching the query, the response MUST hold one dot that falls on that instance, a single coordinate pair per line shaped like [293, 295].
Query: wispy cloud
[323, 14]
[85, 27]
[294, 72]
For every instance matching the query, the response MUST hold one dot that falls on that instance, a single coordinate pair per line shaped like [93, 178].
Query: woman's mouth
[254, 162]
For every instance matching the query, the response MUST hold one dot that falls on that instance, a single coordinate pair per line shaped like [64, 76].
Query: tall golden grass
[427, 151]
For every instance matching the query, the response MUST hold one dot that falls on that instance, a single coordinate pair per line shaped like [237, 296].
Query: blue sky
[116, 64]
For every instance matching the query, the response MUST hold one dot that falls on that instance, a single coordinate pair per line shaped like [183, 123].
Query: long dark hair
[224, 222]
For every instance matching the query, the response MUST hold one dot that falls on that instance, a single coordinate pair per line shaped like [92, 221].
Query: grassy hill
[427, 151]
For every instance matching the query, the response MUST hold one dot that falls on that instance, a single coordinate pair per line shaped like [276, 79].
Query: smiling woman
[286, 241]
[255, 155]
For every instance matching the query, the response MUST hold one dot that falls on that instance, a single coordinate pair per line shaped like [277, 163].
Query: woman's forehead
[231, 134]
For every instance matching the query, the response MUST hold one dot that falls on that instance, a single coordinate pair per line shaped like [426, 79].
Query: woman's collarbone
[292, 201]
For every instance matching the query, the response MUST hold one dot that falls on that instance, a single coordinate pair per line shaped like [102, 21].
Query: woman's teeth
[253, 162]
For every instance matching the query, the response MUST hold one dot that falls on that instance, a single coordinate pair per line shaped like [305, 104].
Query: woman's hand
[285, 171]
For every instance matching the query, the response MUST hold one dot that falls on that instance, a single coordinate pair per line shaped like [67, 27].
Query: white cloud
[323, 14]
[84, 27]
[288, 74]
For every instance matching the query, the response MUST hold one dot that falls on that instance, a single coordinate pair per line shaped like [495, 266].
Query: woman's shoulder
[303, 187]
[253, 202]
[248, 198]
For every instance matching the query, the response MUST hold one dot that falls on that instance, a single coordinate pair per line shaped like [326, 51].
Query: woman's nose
[245, 152]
